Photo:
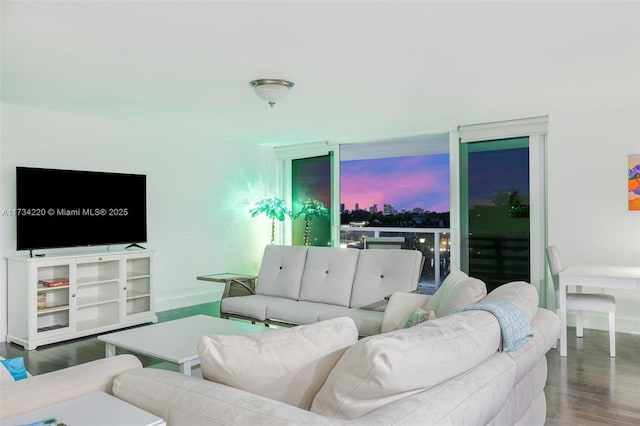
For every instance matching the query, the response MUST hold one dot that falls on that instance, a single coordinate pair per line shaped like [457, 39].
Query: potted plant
[274, 208]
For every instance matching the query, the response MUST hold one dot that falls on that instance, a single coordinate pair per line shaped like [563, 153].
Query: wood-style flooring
[585, 388]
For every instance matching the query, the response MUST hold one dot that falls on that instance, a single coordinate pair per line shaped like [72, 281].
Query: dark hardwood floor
[585, 388]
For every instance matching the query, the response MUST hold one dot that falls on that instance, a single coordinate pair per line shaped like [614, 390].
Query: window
[396, 194]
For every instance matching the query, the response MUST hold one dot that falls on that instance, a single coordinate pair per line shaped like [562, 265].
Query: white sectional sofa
[301, 285]
[447, 371]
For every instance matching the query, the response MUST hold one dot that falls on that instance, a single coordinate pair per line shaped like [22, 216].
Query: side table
[246, 283]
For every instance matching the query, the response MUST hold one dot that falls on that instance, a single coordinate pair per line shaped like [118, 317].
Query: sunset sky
[404, 182]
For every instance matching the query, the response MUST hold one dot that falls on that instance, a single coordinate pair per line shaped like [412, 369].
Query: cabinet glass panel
[138, 287]
[138, 267]
[52, 304]
[138, 305]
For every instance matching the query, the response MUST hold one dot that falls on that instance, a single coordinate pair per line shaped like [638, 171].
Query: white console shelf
[62, 297]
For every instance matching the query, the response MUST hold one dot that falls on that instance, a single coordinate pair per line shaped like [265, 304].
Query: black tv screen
[70, 208]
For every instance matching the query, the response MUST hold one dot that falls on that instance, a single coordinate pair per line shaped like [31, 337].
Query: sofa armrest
[57, 386]
[187, 400]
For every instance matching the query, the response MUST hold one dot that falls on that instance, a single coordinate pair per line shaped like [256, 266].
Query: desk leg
[110, 350]
[562, 308]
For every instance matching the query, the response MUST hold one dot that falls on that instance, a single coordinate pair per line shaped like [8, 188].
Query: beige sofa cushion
[328, 275]
[288, 365]
[399, 308]
[457, 290]
[380, 272]
[521, 294]
[384, 368]
[455, 294]
[281, 271]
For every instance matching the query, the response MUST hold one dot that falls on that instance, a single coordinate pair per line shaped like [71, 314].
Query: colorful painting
[634, 182]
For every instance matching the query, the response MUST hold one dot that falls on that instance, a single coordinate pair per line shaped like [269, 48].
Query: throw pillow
[13, 370]
[462, 292]
[400, 306]
[418, 317]
[288, 365]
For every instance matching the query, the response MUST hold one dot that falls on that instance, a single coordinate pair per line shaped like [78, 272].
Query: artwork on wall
[634, 182]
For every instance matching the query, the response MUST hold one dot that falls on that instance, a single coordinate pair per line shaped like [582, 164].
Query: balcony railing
[434, 243]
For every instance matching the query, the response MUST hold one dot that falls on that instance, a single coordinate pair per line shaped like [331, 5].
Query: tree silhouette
[273, 208]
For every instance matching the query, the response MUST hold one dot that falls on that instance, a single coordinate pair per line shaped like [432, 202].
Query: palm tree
[273, 208]
[310, 209]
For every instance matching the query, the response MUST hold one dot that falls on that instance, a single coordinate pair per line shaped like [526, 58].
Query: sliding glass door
[502, 202]
[495, 210]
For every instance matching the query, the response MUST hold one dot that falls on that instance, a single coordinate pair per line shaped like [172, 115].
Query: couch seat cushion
[254, 306]
[384, 368]
[367, 322]
[294, 312]
[287, 365]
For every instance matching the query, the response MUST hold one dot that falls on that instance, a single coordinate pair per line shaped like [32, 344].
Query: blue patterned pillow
[15, 367]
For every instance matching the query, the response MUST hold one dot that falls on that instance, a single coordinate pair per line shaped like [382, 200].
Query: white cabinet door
[52, 297]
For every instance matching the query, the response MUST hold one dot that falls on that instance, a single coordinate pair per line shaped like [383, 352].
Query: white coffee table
[95, 409]
[175, 341]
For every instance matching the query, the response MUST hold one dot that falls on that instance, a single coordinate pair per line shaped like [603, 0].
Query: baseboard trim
[184, 300]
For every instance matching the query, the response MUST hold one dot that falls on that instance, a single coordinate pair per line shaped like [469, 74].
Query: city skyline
[404, 182]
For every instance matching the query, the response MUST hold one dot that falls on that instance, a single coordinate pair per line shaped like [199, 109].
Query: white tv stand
[92, 293]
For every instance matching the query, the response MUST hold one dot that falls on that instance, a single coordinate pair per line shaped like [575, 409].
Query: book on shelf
[53, 282]
[42, 300]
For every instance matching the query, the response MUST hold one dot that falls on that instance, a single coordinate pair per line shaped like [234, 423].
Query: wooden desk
[601, 276]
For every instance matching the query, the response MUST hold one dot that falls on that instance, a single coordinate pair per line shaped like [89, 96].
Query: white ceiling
[363, 70]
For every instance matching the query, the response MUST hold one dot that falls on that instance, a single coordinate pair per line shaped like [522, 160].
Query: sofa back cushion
[287, 365]
[384, 368]
[381, 272]
[328, 275]
[455, 293]
[281, 271]
[521, 294]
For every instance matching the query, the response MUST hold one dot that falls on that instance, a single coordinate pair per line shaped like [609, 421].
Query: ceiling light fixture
[271, 90]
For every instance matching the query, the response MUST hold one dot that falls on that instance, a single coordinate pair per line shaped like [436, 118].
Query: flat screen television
[72, 208]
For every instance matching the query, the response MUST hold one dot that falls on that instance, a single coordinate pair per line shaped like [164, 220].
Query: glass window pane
[399, 202]
[496, 202]
[311, 201]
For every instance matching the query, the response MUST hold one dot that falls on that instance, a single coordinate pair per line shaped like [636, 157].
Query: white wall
[588, 216]
[198, 192]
